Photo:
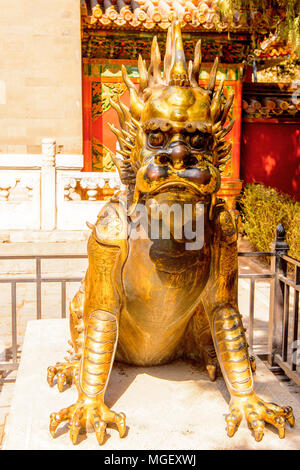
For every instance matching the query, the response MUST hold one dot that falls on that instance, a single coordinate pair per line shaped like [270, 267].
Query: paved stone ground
[173, 406]
[26, 304]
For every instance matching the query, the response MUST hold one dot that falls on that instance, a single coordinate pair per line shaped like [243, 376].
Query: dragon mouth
[177, 187]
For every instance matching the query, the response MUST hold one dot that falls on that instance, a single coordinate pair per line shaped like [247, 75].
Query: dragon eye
[156, 139]
[201, 141]
[197, 140]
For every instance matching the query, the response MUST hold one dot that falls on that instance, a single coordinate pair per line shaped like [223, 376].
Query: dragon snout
[178, 156]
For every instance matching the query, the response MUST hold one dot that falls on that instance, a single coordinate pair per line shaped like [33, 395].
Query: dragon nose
[180, 154]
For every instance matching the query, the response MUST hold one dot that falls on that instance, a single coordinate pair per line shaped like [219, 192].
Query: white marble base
[42, 236]
[167, 407]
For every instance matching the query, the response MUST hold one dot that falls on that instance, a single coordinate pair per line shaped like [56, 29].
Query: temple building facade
[61, 71]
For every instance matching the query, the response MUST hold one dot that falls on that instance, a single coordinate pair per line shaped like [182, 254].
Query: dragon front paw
[65, 373]
[87, 413]
[257, 413]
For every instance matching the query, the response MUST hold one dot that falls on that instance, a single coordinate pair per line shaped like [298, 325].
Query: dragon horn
[213, 75]
[179, 71]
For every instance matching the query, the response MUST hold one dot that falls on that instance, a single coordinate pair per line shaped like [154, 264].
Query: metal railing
[283, 325]
[38, 279]
[253, 277]
[283, 341]
[284, 345]
[287, 357]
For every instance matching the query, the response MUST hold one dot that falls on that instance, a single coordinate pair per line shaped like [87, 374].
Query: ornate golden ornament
[149, 300]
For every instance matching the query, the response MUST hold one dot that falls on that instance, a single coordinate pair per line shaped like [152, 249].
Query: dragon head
[172, 138]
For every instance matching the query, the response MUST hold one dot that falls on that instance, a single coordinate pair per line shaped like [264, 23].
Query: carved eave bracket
[271, 101]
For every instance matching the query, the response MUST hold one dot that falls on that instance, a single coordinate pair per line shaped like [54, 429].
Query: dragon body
[147, 300]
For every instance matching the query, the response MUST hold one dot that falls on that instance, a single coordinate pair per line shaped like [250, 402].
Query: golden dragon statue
[147, 300]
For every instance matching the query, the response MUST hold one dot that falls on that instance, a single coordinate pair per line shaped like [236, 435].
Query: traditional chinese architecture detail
[272, 49]
[146, 15]
[271, 115]
[129, 47]
[102, 157]
[102, 93]
[271, 101]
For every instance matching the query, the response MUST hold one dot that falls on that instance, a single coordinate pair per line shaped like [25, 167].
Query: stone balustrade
[89, 186]
[48, 192]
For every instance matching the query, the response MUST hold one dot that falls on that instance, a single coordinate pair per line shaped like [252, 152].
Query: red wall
[270, 154]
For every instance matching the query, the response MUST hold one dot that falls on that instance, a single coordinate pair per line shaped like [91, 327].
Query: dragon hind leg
[198, 344]
[66, 373]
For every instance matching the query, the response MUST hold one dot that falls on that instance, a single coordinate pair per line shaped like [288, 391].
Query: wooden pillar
[87, 122]
[231, 186]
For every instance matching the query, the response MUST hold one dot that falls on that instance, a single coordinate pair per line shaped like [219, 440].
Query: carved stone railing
[48, 192]
[14, 189]
[90, 186]
[80, 196]
[20, 192]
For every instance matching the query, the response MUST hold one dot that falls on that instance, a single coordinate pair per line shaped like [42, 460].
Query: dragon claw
[233, 420]
[257, 413]
[88, 411]
[64, 373]
[121, 424]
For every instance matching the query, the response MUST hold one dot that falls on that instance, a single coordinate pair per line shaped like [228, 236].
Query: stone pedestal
[168, 407]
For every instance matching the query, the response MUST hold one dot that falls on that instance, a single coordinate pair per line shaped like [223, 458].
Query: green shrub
[263, 208]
